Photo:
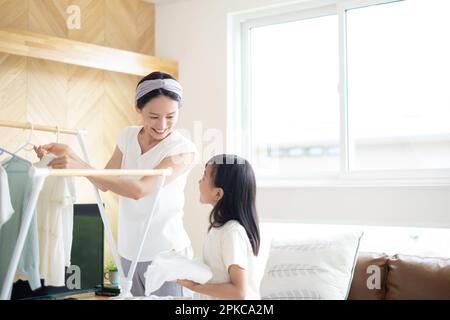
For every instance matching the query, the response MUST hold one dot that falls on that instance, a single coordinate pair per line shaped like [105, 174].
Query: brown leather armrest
[413, 277]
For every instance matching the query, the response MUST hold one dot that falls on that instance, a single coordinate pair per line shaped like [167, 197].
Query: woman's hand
[58, 149]
[39, 151]
[66, 158]
[67, 162]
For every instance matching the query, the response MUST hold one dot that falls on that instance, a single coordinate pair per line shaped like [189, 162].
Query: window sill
[351, 183]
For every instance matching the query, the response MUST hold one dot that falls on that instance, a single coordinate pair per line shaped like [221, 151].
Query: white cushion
[263, 254]
[310, 267]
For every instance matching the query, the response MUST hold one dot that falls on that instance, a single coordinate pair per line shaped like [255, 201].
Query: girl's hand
[188, 284]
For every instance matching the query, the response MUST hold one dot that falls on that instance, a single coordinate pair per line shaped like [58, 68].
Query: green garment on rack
[20, 187]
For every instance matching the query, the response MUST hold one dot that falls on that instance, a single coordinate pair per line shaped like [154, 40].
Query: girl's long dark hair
[236, 177]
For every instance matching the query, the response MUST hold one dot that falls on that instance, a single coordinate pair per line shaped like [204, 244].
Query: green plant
[110, 267]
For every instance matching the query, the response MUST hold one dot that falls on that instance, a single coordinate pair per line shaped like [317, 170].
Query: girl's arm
[235, 289]
[130, 188]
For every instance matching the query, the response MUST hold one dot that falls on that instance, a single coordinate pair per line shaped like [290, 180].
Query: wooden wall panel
[13, 98]
[120, 27]
[92, 22]
[14, 14]
[146, 28]
[85, 97]
[47, 97]
[119, 110]
[13, 75]
[53, 93]
[47, 81]
[48, 17]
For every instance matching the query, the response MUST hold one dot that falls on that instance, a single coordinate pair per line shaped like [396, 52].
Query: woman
[154, 145]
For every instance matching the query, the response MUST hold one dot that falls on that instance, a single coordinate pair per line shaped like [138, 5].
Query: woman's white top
[226, 246]
[166, 228]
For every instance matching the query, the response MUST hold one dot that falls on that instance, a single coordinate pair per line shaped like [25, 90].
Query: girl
[156, 144]
[232, 243]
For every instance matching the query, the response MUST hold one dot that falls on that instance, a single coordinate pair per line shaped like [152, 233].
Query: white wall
[194, 32]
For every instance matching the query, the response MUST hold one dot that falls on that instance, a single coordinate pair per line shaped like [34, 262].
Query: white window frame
[239, 111]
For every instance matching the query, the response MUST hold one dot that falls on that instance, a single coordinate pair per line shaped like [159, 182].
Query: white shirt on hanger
[166, 229]
[6, 209]
[55, 225]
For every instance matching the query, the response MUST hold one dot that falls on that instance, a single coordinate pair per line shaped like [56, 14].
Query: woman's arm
[138, 189]
[235, 289]
[114, 163]
[131, 188]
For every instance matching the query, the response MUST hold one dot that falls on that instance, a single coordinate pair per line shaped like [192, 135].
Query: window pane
[294, 97]
[428, 242]
[398, 85]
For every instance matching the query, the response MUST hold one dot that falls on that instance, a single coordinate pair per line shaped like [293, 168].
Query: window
[427, 242]
[294, 96]
[351, 90]
[399, 85]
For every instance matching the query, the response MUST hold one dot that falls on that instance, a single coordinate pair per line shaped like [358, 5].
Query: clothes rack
[38, 127]
[38, 177]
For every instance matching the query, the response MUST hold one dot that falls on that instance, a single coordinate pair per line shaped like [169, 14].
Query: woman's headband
[151, 85]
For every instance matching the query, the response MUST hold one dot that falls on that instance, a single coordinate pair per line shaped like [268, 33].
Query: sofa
[378, 276]
[304, 265]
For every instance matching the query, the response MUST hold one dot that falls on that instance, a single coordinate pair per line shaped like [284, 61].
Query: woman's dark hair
[140, 104]
[236, 178]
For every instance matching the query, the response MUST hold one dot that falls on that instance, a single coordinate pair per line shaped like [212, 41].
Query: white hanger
[28, 146]
[57, 134]
[4, 152]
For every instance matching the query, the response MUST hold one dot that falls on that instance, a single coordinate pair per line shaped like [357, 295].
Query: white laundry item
[55, 225]
[171, 266]
[229, 245]
[6, 209]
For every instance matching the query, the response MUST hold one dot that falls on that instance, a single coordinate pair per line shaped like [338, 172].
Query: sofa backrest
[400, 277]
[413, 277]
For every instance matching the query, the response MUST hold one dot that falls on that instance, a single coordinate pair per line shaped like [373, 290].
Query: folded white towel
[170, 266]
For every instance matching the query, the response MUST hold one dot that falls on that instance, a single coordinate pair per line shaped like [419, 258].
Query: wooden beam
[37, 127]
[40, 46]
[102, 172]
